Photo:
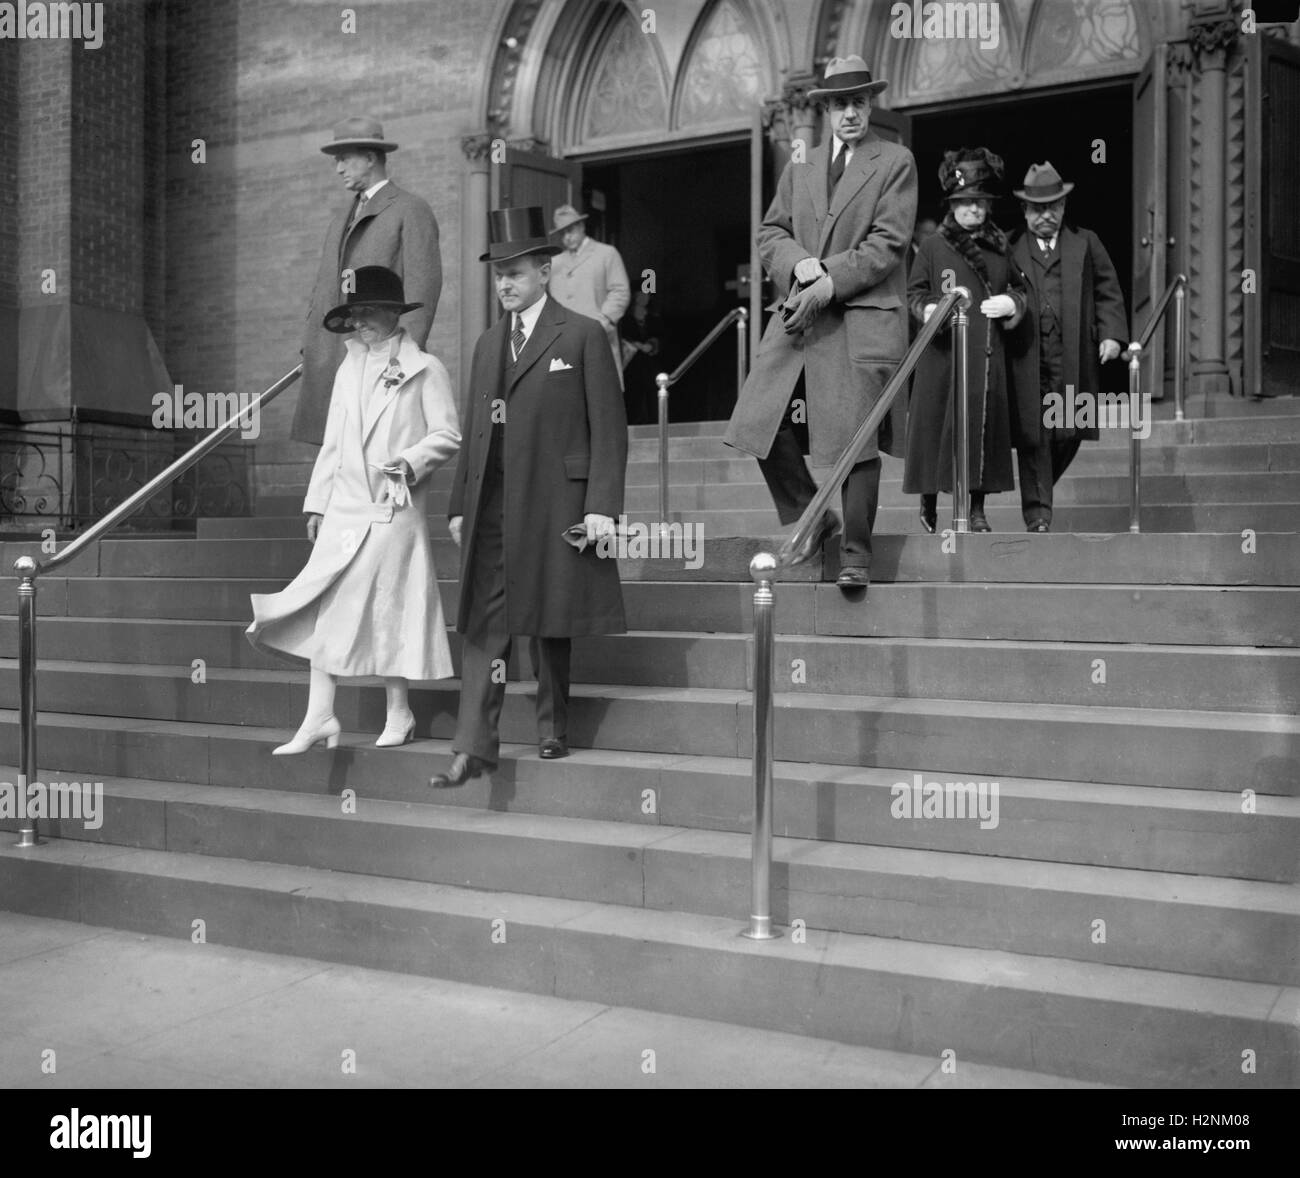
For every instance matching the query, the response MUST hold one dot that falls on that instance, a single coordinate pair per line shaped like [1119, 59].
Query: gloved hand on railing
[801, 307]
[1108, 350]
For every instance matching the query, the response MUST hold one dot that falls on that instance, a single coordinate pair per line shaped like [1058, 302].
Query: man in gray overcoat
[382, 226]
[834, 241]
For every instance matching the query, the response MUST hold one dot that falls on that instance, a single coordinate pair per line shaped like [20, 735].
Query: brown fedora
[358, 134]
[1043, 184]
[847, 75]
[518, 231]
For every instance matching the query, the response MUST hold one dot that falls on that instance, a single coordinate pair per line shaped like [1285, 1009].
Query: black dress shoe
[978, 523]
[853, 578]
[463, 767]
[552, 748]
[929, 518]
[1040, 526]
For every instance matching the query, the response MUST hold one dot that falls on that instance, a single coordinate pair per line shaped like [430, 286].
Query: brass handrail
[28, 569]
[740, 317]
[1176, 290]
[765, 568]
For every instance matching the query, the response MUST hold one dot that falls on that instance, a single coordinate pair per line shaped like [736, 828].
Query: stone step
[1058, 558]
[1145, 828]
[1164, 614]
[281, 490]
[1199, 678]
[1105, 1022]
[1185, 924]
[975, 739]
[1004, 516]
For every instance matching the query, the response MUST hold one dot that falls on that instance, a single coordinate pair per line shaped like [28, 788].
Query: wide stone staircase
[1129, 914]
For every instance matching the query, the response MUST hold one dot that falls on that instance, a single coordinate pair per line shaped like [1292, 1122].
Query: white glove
[453, 526]
[927, 311]
[597, 526]
[808, 269]
[998, 307]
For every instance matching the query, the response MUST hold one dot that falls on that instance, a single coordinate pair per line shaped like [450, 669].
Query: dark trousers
[1042, 467]
[792, 487]
[486, 643]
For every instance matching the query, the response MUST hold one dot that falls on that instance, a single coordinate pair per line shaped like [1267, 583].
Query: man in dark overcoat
[1074, 324]
[383, 225]
[835, 242]
[544, 449]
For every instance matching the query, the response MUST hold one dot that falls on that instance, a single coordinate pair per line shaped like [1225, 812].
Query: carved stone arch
[730, 66]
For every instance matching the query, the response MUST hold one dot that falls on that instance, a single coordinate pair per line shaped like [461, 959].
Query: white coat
[366, 603]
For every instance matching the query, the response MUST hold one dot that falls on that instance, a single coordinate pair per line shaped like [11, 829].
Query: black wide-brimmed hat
[376, 286]
[846, 75]
[1043, 184]
[971, 173]
[516, 232]
[358, 134]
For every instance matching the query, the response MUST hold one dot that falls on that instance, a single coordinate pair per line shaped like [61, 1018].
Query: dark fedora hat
[358, 134]
[1043, 184]
[847, 75]
[970, 174]
[376, 286]
[516, 232]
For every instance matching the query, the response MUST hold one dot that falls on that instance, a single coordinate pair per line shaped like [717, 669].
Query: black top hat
[970, 174]
[375, 286]
[516, 232]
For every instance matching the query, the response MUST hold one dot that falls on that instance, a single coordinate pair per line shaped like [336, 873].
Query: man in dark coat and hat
[1074, 324]
[382, 225]
[544, 454]
[835, 242]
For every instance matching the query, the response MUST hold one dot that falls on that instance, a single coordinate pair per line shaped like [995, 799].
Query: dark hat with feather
[970, 173]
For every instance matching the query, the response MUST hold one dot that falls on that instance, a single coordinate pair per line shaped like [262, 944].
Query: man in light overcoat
[383, 225]
[834, 241]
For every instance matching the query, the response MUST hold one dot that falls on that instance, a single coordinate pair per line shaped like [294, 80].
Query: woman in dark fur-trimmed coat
[968, 250]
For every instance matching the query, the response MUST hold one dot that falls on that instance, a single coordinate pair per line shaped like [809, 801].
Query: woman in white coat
[366, 603]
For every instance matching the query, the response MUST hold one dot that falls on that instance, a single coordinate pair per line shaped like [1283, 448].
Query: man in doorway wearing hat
[1074, 324]
[589, 277]
[545, 454]
[834, 241]
[383, 225]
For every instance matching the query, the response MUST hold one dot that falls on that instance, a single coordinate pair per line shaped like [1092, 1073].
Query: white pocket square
[558, 365]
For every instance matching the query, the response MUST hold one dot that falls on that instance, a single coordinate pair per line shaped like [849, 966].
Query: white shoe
[399, 728]
[326, 730]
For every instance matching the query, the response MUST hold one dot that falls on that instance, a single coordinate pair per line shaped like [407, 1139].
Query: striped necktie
[356, 212]
[517, 336]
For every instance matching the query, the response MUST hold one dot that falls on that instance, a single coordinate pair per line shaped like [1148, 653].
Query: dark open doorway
[1061, 128]
[685, 216]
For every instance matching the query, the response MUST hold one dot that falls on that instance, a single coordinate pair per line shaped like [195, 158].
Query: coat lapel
[818, 181]
[858, 169]
[412, 363]
[545, 331]
[373, 207]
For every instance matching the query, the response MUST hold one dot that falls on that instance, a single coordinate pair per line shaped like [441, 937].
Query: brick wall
[263, 84]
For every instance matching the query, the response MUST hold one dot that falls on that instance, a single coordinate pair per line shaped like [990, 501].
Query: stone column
[475, 197]
[790, 119]
[1210, 42]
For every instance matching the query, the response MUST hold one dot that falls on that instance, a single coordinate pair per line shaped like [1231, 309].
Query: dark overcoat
[398, 230]
[850, 350]
[939, 265]
[1092, 311]
[565, 458]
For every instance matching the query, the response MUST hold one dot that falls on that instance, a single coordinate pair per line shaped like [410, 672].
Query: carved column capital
[1210, 41]
[477, 147]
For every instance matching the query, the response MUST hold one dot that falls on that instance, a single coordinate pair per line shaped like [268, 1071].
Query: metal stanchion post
[1180, 347]
[961, 417]
[26, 569]
[662, 381]
[1135, 442]
[742, 348]
[763, 570]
